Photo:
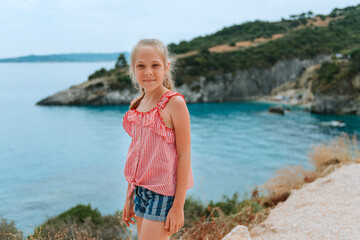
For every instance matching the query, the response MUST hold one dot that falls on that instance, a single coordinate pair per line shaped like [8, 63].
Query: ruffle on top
[151, 119]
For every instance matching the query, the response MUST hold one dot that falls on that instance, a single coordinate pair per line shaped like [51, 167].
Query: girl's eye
[156, 65]
[140, 65]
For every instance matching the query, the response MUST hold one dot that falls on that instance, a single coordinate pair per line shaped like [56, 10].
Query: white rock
[238, 233]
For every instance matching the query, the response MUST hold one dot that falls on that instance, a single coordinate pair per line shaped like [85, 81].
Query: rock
[237, 86]
[335, 104]
[356, 82]
[238, 233]
[277, 109]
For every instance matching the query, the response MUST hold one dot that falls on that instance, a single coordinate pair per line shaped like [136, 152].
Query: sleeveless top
[152, 158]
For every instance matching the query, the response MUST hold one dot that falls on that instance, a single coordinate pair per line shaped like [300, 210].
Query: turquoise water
[52, 158]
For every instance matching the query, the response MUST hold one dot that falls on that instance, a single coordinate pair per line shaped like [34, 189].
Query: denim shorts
[152, 205]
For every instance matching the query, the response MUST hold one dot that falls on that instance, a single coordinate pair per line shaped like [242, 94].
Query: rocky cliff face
[246, 84]
[337, 102]
[238, 86]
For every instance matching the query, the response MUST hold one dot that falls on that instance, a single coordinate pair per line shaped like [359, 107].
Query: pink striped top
[152, 158]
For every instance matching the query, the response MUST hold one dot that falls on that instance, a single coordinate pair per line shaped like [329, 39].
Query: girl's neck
[155, 94]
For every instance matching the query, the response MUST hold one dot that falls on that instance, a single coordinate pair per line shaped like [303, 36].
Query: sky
[43, 27]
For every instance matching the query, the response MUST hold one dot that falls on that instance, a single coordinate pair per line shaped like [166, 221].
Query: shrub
[81, 222]
[193, 210]
[327, 71]
[99, 73]
[339, 150]
[8, 230]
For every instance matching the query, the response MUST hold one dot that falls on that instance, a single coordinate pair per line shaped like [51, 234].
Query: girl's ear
[167, 69]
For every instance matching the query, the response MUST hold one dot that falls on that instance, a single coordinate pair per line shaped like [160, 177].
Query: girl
[158, 166]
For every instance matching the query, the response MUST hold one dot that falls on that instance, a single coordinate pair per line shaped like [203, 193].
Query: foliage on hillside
[81, 222]
[250, 30]
[235, 33]
[304, 43]
[117, 77]
[336, 77]
[242, 32]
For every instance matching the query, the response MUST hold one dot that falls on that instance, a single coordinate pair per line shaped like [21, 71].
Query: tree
[293, 17]
[310, 14]
[121, 61]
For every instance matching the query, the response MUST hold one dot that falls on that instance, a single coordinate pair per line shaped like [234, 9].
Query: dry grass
[343, 149]
[11, 236]
[325, 157]
[216, 228]
[188, 54]
[278, 188]
[243, 44]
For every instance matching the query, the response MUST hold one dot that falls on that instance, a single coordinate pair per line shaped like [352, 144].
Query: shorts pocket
[137, 192]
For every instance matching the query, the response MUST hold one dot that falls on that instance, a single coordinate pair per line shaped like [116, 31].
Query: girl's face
[149, 68]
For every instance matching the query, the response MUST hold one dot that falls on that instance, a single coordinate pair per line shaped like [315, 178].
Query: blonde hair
[162, 50]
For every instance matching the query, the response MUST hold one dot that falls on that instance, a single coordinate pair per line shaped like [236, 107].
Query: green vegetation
[354, 67]
[335, 77]
[99, 73]
[327, 71]
[117, 78]
[121, 81]
[305, 43]
[232, 205]
[121, 62]
[340, 12]
[83, 220]
[9, 231]
[244, 32]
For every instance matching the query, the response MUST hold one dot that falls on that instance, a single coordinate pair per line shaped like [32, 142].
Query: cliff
[238, 86]
[337, 86]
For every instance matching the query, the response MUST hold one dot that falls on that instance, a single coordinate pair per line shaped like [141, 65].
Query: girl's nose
[148, 72]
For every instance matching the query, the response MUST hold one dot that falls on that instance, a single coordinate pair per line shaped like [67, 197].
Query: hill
[240, 62]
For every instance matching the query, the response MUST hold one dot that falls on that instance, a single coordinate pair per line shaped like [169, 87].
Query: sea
[54, 157]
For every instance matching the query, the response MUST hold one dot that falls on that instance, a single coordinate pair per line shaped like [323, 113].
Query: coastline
[270, 99]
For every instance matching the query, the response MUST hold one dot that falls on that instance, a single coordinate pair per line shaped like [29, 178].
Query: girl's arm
[181, 121]
[128, 211]
[132, 195]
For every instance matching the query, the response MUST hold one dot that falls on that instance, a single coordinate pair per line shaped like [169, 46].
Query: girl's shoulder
[171, 96]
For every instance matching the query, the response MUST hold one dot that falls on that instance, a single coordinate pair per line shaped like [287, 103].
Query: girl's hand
[128, 212]
[174, 219]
